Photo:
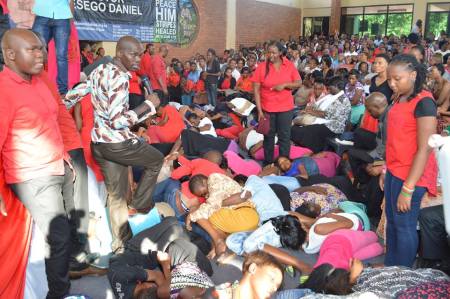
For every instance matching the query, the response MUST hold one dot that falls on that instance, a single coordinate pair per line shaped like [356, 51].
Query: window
[377, 20]
[307, 27]
[315, 25]
[437, 19]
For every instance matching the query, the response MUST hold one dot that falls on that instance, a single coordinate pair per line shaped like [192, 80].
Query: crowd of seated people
[279, 151]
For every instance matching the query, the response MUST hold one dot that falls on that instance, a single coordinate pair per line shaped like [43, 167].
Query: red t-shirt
[174, 79]
[189, 86]
[369, 123]
[158, 67]
[226, 83]
[4, 6]
[194, 167]
[200, 86]
[272, 100]
[170, 131]
[87, 115]
[146, 65]
[30, 140]
[401, 143]
[71, 137]
[135, 84]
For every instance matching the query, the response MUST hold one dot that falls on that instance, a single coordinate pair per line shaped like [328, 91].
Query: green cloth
[357, 113]
[358, 209]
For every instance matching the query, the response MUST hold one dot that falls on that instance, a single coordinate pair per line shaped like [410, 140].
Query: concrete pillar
[335, 19]
[231, 25]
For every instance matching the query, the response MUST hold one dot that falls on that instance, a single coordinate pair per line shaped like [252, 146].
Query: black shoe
[75, 265]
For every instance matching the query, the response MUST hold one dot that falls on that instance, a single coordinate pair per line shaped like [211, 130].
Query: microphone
[146, 83]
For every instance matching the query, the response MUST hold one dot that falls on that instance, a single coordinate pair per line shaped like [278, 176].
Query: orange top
[174, 79]
[245, 84]
[200, 86]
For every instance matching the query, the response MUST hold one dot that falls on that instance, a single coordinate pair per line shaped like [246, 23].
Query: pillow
[140, 222]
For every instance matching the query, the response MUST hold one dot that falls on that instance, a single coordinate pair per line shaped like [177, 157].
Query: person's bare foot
[220, 247]
[212, 254]
[225, 257]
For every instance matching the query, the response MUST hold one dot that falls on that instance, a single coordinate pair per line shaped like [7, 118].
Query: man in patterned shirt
[114, 146]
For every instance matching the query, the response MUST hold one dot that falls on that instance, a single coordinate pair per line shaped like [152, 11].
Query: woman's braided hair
[412, 64]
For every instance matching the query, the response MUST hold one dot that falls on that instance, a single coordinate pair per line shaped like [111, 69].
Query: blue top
[194, 76]
[266, 202]
[53, 9]
[293, 171]
[310, 165]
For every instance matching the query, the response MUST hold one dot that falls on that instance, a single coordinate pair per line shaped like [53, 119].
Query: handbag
[264, 125]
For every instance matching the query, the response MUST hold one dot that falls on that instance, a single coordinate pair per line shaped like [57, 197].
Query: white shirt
[236, 74]
[211, 131]
[315, 240]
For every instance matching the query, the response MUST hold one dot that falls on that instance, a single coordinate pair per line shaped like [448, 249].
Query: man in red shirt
[146, 61]
[32, 150]
[158, 76]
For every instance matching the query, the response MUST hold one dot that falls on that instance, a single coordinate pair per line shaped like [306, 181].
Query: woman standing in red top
[411, 170]
[274, 81]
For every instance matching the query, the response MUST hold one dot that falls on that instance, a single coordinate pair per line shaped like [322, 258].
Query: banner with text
[168, 21]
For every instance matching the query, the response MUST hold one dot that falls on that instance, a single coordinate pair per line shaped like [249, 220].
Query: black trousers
[135, 100]
[196, 144]
[43, 199]
[313, 137]
[434, 239]
[113, 159]
[280, 125]
[162, 97]
[80, 195]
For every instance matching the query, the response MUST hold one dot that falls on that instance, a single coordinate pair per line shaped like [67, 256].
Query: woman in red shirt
[274, 81]
[411, 166]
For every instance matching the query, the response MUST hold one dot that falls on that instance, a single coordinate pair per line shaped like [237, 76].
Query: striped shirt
[108, 86]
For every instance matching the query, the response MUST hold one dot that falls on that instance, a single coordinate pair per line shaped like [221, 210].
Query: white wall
[290, 3]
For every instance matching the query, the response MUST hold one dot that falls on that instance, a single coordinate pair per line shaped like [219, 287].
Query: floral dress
[358, 109]
[327, 202]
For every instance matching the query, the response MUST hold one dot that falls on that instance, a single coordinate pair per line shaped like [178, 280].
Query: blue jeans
[186, 99]
[211, 90]
[289, 182]
[251, 241]
[292, 294]
[163, 190]
[59, 30]
[401, 228]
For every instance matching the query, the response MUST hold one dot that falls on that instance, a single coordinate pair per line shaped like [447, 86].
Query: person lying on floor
[339, 263]
[262, 276]
[149, 257]
[252, 142]
[293, 231]
[315, 200]
[165, 126]
[218, 222]
[332, 278]
[176, 193]
[324, 163]
[228, 210]
[195, 144]
[203, 125]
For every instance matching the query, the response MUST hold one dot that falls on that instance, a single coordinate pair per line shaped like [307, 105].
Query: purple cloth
[233, 147]
[328, 163]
